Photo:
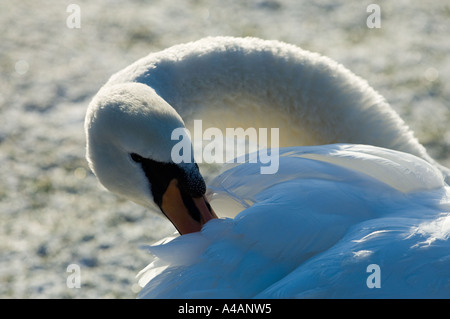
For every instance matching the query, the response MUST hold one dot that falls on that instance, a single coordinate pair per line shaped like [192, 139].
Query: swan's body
[318, 206]
[314, 228]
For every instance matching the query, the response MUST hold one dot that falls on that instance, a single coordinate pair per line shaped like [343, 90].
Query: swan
[352, 177]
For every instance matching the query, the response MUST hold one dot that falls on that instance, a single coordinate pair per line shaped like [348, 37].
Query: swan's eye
[136, 157]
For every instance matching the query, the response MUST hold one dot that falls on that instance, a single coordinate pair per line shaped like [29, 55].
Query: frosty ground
[53, 212]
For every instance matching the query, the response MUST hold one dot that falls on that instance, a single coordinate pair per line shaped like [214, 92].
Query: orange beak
[189, 214]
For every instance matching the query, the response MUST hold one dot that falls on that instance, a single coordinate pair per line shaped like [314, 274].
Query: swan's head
[128, 131]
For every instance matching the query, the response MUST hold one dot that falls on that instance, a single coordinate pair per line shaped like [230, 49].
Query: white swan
[230, 82]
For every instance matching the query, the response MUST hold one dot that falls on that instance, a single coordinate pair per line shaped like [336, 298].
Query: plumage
[364, 193]
[314, 228]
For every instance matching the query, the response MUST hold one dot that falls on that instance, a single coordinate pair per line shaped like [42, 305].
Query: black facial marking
[160, 174]
[193, 184]
[136, 157]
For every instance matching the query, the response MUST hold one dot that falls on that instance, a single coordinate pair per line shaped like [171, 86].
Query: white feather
[330, 211]
[313, 232]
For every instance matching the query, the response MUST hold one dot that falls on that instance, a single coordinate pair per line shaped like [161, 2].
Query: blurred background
[53, 212]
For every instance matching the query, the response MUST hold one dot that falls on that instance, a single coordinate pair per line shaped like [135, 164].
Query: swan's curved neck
[231, 82]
